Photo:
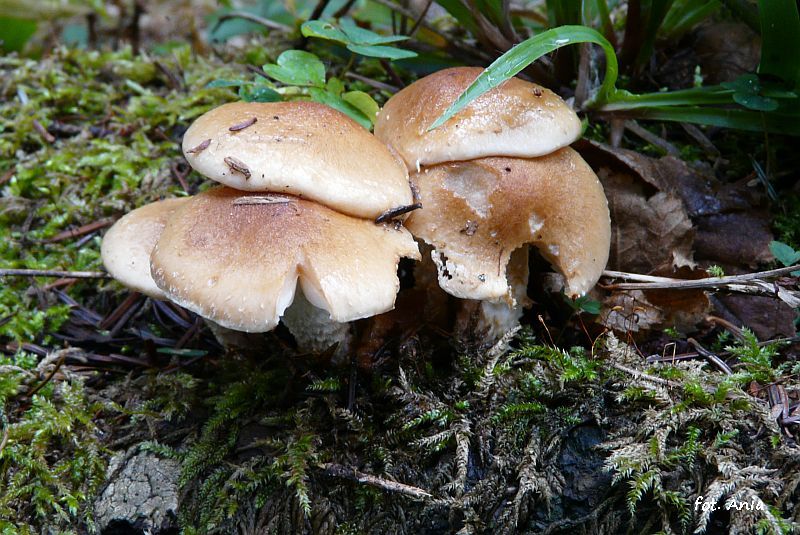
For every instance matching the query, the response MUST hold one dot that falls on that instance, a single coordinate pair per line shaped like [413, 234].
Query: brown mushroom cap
[236, 258]
[298, 148]
[516, 118]
[476, 213]
[128, 243]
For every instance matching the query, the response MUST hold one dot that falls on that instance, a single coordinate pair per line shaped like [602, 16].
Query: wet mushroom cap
[298, 148]
[517, 118]
[476, 213]
[128, 243]
[236, 258]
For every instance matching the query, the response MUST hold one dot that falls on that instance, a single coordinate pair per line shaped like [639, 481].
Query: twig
[711, 357]
[80, 231]
[4, 423]
[7, 175]
[344, 9]
[645, 376]
[475, 52]
[730, 327]
[53, 273]
[417, 22]
[43, 132]
[337, 470]
[374, 83]
[651, 138]
[650, 282]
[271, 24]
[318, 9]
[50, 375]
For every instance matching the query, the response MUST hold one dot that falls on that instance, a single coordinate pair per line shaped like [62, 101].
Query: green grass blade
[780, 40]
[623, 100]
[728, 118]
[461, 13]
[684, 15]
[522, 55]
[654, 12]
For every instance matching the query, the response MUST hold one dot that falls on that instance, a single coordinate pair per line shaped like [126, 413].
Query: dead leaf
[630, 312]
[726, 50]
[648, 233]
[767, 317]
[739, 239]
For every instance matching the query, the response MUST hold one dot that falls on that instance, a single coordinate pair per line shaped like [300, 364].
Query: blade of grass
[728, 118]
[654, 12]
[780, 40]
[684, 15]
[525, 53]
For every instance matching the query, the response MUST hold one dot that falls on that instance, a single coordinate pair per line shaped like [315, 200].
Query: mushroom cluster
[302, 188]
[493, 179]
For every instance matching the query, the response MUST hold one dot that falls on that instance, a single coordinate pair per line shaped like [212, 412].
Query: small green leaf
[784, 253]
[361, 36]
[357, 40]
[297, 67]
[338, 103]
[226, 83]
[323, 30]
[259, 93]
[14, 33]
[584, 304]
[363, 103]
[755, 102]
[385, 52]
[335, 86]
[746, 83]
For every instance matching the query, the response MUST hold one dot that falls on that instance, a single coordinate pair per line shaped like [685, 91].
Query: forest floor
[627, 411]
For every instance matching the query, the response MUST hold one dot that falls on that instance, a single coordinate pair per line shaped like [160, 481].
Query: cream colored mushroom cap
[236, 258]
[128, 243]
[476, 213]
[516, 118]
[298, 148]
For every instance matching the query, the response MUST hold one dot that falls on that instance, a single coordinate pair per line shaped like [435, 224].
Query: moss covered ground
[531, 435]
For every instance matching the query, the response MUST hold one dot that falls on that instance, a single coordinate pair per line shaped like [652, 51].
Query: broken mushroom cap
[516, 118]
[298, 148]
[128, 243]
[476, 213]
[236, 259]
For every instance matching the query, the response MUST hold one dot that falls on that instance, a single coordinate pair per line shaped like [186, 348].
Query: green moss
[115, 154]
[36, 487]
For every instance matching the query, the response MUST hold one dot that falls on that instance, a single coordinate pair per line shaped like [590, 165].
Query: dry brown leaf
[739, 239]
[648, 233]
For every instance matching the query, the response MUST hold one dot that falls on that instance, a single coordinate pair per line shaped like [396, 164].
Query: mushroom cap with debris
[516, 118]
[128, 243]
[477, 213]
[298, 148]
[236, 258]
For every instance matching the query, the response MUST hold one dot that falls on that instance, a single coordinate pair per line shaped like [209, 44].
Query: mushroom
[237, 258]
[127, 245]
[298, 148]
[493, 179]
[517, 118]
[126, 251]
[477, 213]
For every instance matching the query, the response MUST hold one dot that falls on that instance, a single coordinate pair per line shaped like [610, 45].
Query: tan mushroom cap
[236, 258]
[128, 243]
[516, 118]
[476, 213]
[298, 148]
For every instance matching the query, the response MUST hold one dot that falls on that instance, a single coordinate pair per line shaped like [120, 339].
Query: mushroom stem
[313, 328]
[488, 321]
[231, 339]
